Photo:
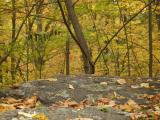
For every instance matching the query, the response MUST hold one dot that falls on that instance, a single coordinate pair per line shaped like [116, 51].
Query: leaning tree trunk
[88, 66]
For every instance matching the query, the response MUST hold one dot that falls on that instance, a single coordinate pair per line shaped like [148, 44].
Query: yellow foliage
[40, 116]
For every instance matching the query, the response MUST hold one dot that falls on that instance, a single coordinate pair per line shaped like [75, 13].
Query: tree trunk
[1, 76]
[39, 37]
[13, 38]
[1, 24]
[150, 37]
[89, 67]
[157, 2]
[158, 21]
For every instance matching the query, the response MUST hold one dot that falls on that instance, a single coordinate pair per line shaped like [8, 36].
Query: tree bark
[68, 52]
[39, 37]
[88, 66]
[13, 38]
[157, 2]
[150, 37]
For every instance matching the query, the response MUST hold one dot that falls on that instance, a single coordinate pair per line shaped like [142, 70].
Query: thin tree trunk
[150, 37]
[27, 40]
[68, 52]
[1, 76]
[67, 56]
[13, 38]
[39, 30]
[124, 20]
[1, 24]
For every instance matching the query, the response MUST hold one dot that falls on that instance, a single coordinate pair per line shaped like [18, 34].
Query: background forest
[42, 38]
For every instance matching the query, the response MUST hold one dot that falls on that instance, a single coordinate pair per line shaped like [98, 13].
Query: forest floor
[85, 97]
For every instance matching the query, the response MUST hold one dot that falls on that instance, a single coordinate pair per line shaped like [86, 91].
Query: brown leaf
[73, 104]
[130, 106]
[10, 100]
[6, 107]
[31, 102]
[102, 101]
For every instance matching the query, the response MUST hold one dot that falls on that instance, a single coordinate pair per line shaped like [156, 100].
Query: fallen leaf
[136, 116]
[40, 116]
[68, 103]
[103, 83]
[71, 87]
[102, 101]
[73, 104]
[31, 102]
[130, 106]
[52, 79]
[121, 81]
[115, 94]
[25, 114]
[10, 100]
[135, 86]
[145, 85]
[5, 107]
[112, 103]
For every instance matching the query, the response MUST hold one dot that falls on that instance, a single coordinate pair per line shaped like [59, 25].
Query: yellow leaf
[121, 81]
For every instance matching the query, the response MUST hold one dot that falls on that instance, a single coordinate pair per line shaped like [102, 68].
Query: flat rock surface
[76, 88]
[66, 114]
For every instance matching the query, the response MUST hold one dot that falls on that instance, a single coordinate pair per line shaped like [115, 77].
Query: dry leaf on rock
[112, 103]
[71, 87]
[10, 100]
[145, 85]
[137, 116]
[130, 106]
[5, 107]
[12, 103]
[40, 116]
[102, 101]
[52, 79]
[25, 114]
[103, 83]
[31, 102]
[72, 104]
[135, 86]
[115, 94]
[121, 81]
